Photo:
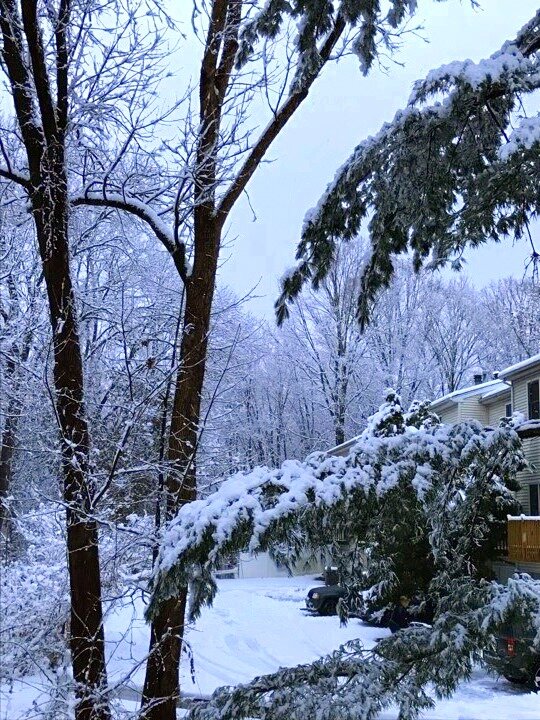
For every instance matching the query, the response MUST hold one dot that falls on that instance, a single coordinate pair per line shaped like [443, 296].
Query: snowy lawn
[256, 626]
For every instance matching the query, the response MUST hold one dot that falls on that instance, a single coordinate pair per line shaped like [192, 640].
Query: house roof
[344, 447]
[482, 389]
[520, 367]
[493, 395]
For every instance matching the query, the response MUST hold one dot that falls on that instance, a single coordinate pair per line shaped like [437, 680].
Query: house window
[508, 410]
[534, 499]
[534, 400]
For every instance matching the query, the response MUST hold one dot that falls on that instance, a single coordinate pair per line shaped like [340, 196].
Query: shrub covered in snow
[35, 596]
[35, 592]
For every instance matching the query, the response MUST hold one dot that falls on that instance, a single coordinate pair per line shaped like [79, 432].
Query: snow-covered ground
[256, 626]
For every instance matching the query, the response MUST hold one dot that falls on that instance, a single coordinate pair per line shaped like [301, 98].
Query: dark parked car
[515, 657]
[323, 599]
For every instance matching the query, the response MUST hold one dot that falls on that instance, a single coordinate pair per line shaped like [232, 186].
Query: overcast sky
[342, 109]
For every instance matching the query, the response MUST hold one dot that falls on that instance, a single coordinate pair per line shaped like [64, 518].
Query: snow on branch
[315, 21]
[524, 136]
[441, 175]
[144, 212]
[15, 177]
[291, 505]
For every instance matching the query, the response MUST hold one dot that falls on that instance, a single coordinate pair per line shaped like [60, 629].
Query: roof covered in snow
[491, 387]
[343, 449]
[495, 393]
[520, 367]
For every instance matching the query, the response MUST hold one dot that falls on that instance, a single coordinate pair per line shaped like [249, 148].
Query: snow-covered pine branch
[448, 172]
[449, 472]
[315, 20]
[456, 475]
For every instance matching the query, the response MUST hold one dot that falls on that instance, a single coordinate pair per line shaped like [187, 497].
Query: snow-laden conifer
[441, 490]
[456, 167]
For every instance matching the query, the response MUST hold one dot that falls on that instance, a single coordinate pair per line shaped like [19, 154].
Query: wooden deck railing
[524, 539]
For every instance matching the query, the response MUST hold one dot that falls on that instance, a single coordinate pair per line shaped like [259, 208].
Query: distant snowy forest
[270, 393]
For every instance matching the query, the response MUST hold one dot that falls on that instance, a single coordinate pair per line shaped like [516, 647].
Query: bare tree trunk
[86, 629]
[41, 107]
[9, 432]
[6, 459]
[161, 686]
[6, 452]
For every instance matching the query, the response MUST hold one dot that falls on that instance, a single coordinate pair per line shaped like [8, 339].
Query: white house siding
[497, 410]
[449, 415]
[531, 446]
[520, 399]
[259, 566]
[470, 409]
[519, 396]
[532, 453]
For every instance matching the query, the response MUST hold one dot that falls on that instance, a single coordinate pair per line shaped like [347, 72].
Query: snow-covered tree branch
[404, 471]
[448, 470]
[451, 170]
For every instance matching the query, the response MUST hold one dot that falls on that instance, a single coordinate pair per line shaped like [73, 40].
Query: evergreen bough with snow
[407, 479]
[457, 167]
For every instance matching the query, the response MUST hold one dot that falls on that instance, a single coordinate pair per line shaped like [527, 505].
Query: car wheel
[328, 608]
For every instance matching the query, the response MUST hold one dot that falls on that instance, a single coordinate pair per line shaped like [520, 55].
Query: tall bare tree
[40, 98]
[329, 348]
[64, 62]
[241, 40]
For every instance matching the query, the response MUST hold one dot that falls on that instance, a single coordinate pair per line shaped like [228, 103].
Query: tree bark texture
[50, 210]
[41, 108]
[161, 687]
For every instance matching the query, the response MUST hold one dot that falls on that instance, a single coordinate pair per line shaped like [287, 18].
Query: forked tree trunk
[161, 687]
[50, 211]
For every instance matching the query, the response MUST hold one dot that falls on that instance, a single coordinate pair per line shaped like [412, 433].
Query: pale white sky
[343, 108]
